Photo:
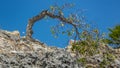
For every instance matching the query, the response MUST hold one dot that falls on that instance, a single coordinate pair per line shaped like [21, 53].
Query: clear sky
[14, 15]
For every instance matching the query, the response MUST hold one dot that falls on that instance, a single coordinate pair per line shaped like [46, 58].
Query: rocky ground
[17, 52]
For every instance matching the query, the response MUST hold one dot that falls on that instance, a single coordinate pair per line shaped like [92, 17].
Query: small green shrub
[104, 63]
[108, 58]
[88, 44]
[114, 36]
[83, 61]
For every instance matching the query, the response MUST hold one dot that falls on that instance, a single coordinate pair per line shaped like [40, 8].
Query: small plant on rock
[88, 44]
[83, 61]
[107, 59]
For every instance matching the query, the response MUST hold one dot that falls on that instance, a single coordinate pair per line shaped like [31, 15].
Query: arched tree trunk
[44, 13]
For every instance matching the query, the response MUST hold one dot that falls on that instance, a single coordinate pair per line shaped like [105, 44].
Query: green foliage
[88, 44]
[83, 61]
[107, 59]
[114, 36]
[59, 9]
[104, 63]
[54, 32]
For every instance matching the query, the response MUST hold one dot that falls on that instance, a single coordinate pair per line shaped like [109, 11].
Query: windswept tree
[56, 12]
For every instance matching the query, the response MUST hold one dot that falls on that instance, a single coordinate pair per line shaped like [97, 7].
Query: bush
[88, 44]
[107, 59]
[82, 60]
[114, 36]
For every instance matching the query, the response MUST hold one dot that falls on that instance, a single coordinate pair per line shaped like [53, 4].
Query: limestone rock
[18, 52]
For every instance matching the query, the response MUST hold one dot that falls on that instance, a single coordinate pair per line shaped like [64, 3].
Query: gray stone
[42, 57]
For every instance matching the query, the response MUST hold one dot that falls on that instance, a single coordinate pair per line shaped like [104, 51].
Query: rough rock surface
[17, 52]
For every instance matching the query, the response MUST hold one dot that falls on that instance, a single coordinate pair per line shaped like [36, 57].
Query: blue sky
[14, 15]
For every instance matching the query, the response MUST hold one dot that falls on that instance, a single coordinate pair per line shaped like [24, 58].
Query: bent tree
[41, 16]
[71, 20]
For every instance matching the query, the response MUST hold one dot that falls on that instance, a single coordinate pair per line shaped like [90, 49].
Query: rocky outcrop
[18, 52]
